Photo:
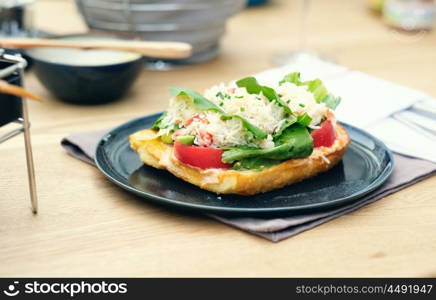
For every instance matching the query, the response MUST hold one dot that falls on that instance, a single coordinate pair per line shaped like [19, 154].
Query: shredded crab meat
[228, 132]
[325, 158]
[257, 109]
[301, 101]
[210, 130]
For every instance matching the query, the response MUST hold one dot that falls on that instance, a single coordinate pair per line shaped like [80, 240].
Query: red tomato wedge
[200, 157]
[324, 136]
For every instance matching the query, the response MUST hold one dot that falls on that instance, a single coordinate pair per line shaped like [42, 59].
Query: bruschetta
[246, 138]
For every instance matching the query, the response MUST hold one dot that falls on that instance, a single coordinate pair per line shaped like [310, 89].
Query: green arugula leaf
[331, 101]
[158, 123]
[314, 86]
[198, 100]
[202, 103]
[294, 78]
[253, 87]
[299, 137]
[257, 132]
[304, 119]
[317, 88]
[255, 164]
[272, 95]
[294, 142]
[286, 123]
[166, 138]
[250, 84]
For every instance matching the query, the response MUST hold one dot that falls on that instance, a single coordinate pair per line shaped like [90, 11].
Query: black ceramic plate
[366, 165]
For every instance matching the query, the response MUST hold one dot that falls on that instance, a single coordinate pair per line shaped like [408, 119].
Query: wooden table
[89, 227]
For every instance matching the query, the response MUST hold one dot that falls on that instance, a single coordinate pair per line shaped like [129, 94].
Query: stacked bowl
[200, 23]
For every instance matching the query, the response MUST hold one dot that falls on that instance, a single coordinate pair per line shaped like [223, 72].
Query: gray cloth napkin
[407, 172]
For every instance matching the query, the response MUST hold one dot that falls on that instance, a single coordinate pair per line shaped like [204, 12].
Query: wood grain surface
[89, 227]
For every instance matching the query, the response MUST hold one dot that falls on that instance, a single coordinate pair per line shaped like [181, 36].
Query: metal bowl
[200, 23]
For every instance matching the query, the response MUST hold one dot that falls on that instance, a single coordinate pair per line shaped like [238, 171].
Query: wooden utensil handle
[11, 89]
[172, 50]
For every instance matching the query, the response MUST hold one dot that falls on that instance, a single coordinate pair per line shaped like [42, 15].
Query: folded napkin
[407, 171]
[370, 103]
[367, 102]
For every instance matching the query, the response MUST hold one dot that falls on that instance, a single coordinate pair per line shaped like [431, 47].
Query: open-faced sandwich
[246, 138]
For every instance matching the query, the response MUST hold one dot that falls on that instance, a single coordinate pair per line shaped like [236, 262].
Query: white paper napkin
[368, 102]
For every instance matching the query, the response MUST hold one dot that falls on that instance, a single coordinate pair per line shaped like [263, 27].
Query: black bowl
[86, 76]
[10, 106]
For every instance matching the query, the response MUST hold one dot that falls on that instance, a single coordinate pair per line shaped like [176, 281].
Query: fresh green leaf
[255, 164]
[250, 84]
[238, 154]
[253, 87]
[331, 101]
[158, 123]
[198, 100]
[202, 103]
[304, 119]
[186, 139]
[299, 138]
[272, 95]
[317, 88]
[314, 86]
[294, 142]
[256, 131]
[294, 78]
[285, 124]
[170, 129]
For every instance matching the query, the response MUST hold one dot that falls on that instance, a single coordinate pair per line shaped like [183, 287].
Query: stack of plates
[200, 23]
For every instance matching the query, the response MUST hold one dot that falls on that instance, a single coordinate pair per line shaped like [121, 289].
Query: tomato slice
[324, 136]
[196, 117]
[200, 157]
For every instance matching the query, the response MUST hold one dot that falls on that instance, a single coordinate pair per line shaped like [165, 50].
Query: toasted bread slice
[160, 155]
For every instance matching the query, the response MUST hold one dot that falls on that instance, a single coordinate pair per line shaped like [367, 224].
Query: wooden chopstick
[171, 50]
[7, 88]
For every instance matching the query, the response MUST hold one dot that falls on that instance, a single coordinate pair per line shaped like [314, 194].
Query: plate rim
[381, 178]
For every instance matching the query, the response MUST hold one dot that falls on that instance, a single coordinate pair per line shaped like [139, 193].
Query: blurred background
[232, 38]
